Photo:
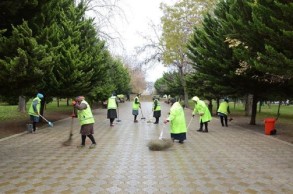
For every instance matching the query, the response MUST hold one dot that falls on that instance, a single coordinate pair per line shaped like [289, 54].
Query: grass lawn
[10, 112]
[286, 112]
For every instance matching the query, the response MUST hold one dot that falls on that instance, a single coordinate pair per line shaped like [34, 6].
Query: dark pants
[205, 125]
[157, 119]
[224, 117]
[34, 126]
[111, 121]
[83, 137]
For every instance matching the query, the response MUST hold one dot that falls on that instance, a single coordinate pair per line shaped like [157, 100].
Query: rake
[49, 123]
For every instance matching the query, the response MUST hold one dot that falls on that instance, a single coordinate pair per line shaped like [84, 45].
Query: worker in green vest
[201, 108]
[112, 105]
[135, 107]
[156, 109]
[34, 111]
[223, 112]
[86, 119]
[177, 121]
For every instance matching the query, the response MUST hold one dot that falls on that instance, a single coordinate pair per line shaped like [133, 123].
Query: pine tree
[24, 64]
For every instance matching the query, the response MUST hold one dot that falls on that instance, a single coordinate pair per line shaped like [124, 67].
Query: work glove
[192, 115]
[201, 114]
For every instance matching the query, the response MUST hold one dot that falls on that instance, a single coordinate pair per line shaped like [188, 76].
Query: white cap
[195, 98]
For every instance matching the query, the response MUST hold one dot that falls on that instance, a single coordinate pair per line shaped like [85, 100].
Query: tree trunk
[218, 103]
[254, 110]
[210, 106]
[279, 107]
[183, 82]
[21, 104]
[248, 105]
[260, 105]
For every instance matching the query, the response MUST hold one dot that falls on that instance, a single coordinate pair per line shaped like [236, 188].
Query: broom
[149, 118]
[118, 120]
[49, 123]
[143, 118]
[189, 123]
[161, 143]
[69, 141]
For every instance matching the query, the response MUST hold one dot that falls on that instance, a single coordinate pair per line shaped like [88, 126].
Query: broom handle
[44, 118]
[162, 131]
[189, 123]
[72, 120]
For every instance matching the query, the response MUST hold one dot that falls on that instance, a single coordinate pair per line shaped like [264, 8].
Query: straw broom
[69, 141]
[160, 143]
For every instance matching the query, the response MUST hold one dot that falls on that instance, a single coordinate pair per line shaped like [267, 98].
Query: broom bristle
[67, 143]
[159, 144]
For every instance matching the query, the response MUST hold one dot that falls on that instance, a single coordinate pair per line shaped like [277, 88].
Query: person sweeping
[177, 121]
[223, 112]
[86, 120]
[135, 107]
[112, 109]
[201, 108]
[34, 111]
[157, 110]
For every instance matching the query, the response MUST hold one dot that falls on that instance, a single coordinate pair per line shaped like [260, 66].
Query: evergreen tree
[24, 64]
[239, 24]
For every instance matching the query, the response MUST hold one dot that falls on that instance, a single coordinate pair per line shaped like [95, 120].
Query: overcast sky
[138, 16]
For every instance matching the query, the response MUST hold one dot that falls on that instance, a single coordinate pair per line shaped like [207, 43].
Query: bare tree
[105, 12]
[137, 74]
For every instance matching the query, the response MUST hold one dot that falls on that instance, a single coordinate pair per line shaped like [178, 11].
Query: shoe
[181, 141]
[156, 123]
[205, 131]
[111, 125]
[136, 121]
[200, 130]
[92, 146]
[81, 146]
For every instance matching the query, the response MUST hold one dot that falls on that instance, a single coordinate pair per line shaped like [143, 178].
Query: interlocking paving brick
[225, 160]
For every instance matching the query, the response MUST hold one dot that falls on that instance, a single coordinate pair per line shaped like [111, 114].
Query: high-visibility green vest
[112, 103]
[177, 119]
[202, 108]
[223, 108]
[31, 109]
[85, 116]
[158, 107]
[135, 106]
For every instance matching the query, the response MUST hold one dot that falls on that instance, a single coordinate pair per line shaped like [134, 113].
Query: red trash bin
[269, 125]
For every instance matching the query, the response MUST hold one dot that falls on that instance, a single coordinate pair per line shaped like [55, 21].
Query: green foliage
[55, 49]
[23, 65]
[233, 49]
[169, 84]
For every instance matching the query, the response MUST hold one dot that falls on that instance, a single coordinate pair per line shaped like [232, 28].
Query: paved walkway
[225, 160]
